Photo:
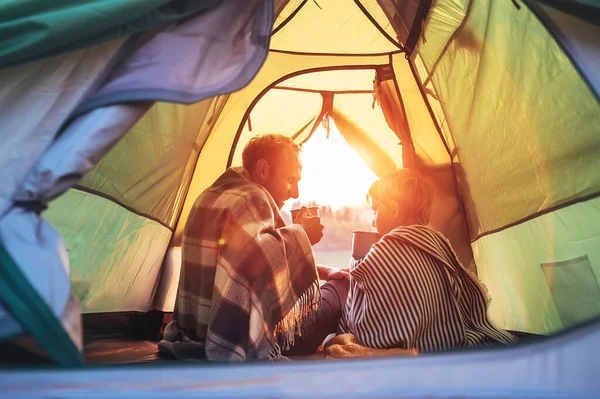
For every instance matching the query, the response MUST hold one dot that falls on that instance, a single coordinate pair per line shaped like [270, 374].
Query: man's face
[285, 172]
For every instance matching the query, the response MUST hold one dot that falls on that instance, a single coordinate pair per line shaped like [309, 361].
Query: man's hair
[266, 146]
[409, 189]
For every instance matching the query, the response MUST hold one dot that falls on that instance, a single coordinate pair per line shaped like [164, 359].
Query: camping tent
[118, 123]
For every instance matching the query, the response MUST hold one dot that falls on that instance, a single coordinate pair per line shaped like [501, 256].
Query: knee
[335, 292]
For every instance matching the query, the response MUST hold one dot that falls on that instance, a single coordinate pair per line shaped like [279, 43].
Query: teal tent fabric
[33, 29]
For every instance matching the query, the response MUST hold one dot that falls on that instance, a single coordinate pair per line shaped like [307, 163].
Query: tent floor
[100, 350]
[127, 337]
[118, 350]
[116, 338]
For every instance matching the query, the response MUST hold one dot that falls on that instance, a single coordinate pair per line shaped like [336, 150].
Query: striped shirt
[410, 291]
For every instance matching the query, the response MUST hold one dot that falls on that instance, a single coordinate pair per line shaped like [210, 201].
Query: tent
[118, 114]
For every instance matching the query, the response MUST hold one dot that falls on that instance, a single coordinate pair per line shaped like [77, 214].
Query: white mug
[362, 241]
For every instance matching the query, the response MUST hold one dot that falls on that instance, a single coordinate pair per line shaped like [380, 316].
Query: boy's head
[399, 199]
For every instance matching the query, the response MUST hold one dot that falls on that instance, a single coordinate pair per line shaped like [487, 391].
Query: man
[249, 285]
[410, 293]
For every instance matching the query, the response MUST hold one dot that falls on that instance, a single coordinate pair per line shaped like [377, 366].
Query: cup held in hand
[312, 211]
[362, 242]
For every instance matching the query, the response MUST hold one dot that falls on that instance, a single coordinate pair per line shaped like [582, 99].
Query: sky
[332, 172]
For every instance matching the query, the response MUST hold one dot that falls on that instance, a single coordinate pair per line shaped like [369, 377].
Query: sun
[332, 172]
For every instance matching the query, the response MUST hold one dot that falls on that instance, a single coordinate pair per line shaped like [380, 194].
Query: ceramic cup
[362, 242]
[312, 211]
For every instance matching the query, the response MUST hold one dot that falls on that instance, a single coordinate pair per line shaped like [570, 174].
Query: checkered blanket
[248, 282]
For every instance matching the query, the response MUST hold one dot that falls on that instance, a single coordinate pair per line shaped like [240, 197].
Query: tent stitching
[289, 18]
[379, 28]
[91, 191]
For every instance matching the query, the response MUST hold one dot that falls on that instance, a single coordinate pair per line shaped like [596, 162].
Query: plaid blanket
[248, 282]
[410, 291]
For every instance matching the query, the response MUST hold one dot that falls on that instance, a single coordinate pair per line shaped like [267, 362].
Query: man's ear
[262, 170]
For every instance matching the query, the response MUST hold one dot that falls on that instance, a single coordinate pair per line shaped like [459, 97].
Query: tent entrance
[299, 102]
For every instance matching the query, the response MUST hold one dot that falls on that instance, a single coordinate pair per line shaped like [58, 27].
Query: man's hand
[311, 225]
[329, 273]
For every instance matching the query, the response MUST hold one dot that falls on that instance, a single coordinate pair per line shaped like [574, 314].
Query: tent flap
[190, 62]
[33, 29]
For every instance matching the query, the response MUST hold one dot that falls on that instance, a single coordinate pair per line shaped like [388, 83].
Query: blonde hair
[409, 189]
[266, 146]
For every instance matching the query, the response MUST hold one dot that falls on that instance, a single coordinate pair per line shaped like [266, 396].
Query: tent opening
[335, 179]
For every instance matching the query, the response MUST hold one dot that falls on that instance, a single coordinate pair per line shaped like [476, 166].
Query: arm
[331, 273]
[262, 272]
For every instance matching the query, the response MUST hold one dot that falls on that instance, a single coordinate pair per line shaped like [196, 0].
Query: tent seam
[379, 27]
[129, 208]
[289, 18]
[452, 37]
[457, 191]
[537, 214]
[337, 54]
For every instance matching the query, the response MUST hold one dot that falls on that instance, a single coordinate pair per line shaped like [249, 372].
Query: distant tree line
[339, 224]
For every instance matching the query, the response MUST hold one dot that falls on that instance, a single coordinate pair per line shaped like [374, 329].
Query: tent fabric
[284, 10]
[428, 144]
[512, 265]
[21, 227]
[115, 254]
[33, 29]
[580, 41]
[200, 65]
[54, 172]
[509, 143]
[167, 143]
[391, 102]
[331, 27]
[38, 298]
[358, 109]
[558, 367]
[534, 123]
[585, 10]
[48, 90]
[84, 145]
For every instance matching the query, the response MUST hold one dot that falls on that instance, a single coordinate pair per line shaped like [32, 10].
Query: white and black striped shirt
[410, 291]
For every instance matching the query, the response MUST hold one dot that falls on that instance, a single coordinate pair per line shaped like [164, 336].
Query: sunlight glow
[332, 172]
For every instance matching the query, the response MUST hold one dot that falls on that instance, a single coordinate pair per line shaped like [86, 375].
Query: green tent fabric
[32, 29]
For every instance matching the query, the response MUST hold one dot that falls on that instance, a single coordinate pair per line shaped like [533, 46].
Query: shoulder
[388, 254]
[419, 235]
[233, 188]
[400, 249]
[412, 231]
